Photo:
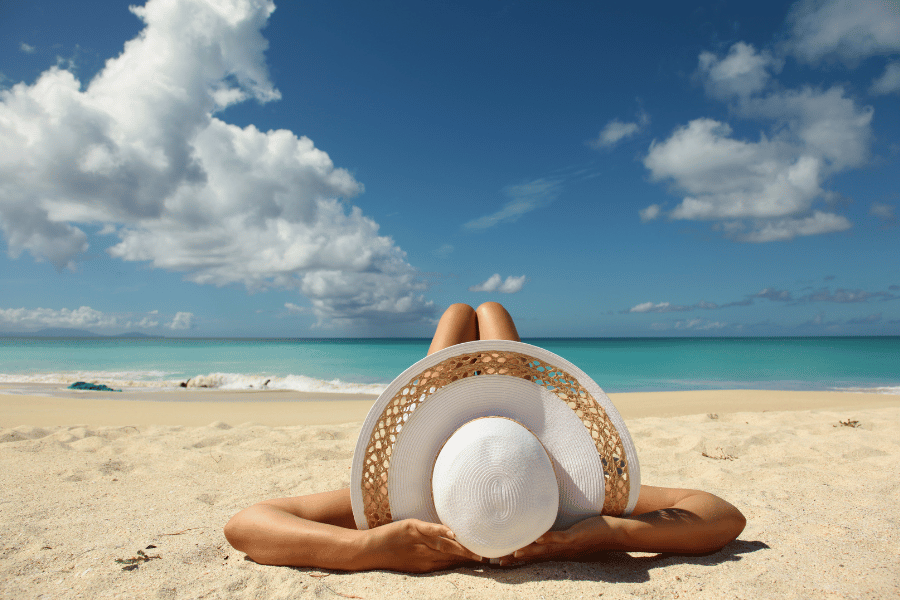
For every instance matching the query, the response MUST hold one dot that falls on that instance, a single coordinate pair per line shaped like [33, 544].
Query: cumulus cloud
[761, 190]
[27, 48]
[495, 283]
[847, 29]
[742, 72]
[147, 323]
[293, 309]
[523, 198]
[182, 320]
[616, 131]
[889, 82]
[140, 152]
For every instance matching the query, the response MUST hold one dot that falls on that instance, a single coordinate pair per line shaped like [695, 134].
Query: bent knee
[490, 306]
[460, 309]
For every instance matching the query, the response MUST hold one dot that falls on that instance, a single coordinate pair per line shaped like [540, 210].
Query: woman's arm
[319, 531]
[664, 520]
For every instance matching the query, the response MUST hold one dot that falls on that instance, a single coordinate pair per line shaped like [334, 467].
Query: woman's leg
[457, 325]
[494, 323]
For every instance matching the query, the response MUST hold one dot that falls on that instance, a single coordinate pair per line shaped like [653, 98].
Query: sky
[251, 168]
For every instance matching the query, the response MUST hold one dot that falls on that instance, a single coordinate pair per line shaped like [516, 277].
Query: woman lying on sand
[319, 530]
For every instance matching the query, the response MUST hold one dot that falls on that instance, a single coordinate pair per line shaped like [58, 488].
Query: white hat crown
[494, 486]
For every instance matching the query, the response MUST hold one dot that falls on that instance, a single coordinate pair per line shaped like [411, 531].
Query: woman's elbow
[737, 523]
[727, 528]
[238, 532]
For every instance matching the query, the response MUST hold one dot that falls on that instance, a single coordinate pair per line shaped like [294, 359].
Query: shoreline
[61, 407]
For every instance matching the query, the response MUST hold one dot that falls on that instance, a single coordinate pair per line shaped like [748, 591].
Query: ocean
[327, 366]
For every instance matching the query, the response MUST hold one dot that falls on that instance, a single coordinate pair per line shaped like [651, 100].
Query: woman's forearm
[696, 523]
[699, 523]
[272, 536]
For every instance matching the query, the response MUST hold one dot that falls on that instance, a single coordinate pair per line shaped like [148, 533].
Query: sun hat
[432, 439]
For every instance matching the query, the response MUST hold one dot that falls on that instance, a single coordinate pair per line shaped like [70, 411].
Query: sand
[87, 480]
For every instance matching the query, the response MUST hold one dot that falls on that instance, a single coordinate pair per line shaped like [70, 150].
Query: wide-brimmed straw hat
[433, 448]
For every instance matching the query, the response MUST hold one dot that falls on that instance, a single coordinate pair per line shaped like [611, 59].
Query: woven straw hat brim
[577, 423]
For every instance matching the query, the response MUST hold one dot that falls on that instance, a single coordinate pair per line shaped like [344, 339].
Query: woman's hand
[585, 537]
[414, 546]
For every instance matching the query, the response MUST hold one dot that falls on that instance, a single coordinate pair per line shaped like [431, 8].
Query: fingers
[440, 538]
[548, 545]
[553, 537]
[433, 529]
[532, 551]
[455, 548]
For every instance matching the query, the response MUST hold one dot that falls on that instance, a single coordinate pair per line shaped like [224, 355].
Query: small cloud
[661, 307]
[884, 212]
[742, 73]
[444, 251]
[80, 318]
[699, 324]
[775, 295]
[182, 320]
[524, 198]
[148, 322]
[26, 48]
[845, 296]
[870, 320]
[649, 307]
[889, 82]
[615, 131]
[496, 284]
[294, 309]
[787, 229]
[650, 213]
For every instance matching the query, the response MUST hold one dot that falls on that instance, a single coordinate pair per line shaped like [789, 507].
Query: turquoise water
[367, 365]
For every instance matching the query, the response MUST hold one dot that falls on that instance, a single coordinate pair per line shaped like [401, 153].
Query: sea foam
[162, 381]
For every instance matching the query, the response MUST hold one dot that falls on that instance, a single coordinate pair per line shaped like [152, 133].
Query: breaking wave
[162, 381]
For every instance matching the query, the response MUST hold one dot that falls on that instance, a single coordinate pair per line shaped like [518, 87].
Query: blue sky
[237, 168]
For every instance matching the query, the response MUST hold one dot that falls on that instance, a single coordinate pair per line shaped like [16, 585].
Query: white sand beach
[87, 480]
